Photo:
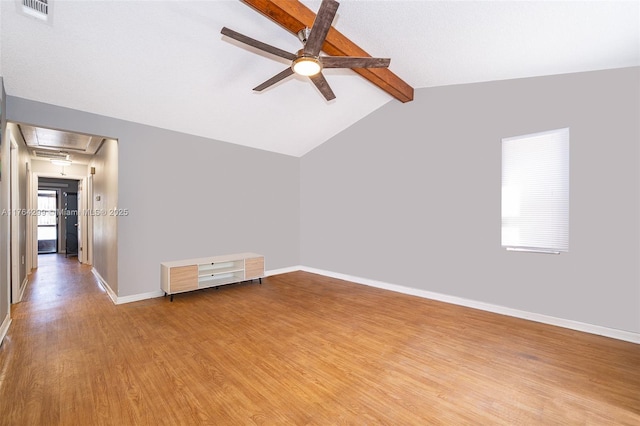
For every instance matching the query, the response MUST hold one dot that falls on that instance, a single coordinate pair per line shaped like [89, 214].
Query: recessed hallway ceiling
[165, 63]
[56, 140]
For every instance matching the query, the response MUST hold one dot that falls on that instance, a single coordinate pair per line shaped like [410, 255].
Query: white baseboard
[282, 270]
[105, 286]
[23, 287]
[124, 299]
[139, 297]
[4, 327]
[532, 316]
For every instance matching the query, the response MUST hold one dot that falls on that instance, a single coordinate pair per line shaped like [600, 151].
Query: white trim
[15, 219]
[125, 299]
[138, 297]
[23, 287]
[81, 222]
[4, 328]
[29, 219]
[531, 316]
[282, 270]
[105, 286]
[32, 221]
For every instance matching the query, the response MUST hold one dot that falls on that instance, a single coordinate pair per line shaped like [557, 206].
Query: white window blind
[535, 192]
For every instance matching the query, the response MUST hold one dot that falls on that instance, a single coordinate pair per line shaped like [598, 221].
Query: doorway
[57, 219]
[47, 221]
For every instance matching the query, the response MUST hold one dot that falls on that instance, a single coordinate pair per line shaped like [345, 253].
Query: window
[47, 221]
[535, 192]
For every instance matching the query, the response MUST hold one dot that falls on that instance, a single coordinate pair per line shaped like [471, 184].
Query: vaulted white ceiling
[165, 63]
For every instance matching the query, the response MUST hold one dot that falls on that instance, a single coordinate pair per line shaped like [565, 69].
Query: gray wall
[187, 196]
[410, 195]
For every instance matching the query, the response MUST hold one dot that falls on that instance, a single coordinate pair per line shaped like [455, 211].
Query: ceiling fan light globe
[306, 66]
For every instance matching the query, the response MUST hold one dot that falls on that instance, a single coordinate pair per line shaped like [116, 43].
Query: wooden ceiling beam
[294, 16]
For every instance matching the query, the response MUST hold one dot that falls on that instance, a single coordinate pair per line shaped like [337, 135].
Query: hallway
[50, 351]
[57, 279]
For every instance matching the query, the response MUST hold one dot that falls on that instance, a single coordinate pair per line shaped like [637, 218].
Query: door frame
[33, 222]
[88, 236]
[17, 289]
[59, 225]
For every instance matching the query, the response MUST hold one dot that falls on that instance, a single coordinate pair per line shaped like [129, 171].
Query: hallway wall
[105, 226]
[24, 164]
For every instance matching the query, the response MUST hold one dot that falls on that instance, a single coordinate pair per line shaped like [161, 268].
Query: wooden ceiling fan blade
[353, 62]
[273, 80]
[320, 27]
[322, 85]
[257, 44]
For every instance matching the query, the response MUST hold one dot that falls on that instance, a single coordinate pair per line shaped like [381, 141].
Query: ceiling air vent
[36, 8]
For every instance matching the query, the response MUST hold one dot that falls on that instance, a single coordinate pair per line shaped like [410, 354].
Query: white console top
[212, 259]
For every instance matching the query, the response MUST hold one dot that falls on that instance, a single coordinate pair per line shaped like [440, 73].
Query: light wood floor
[298, 349]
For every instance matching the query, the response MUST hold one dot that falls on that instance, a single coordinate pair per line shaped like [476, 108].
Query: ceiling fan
[308, 61]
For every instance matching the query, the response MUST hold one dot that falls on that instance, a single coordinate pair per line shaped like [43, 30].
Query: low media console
[194, 274]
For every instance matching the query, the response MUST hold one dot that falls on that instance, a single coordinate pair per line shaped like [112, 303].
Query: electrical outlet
[23, 259]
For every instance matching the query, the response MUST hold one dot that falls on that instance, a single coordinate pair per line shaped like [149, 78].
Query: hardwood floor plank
[298, 349]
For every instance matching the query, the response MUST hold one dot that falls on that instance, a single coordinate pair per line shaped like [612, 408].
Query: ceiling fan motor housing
[306, 64]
